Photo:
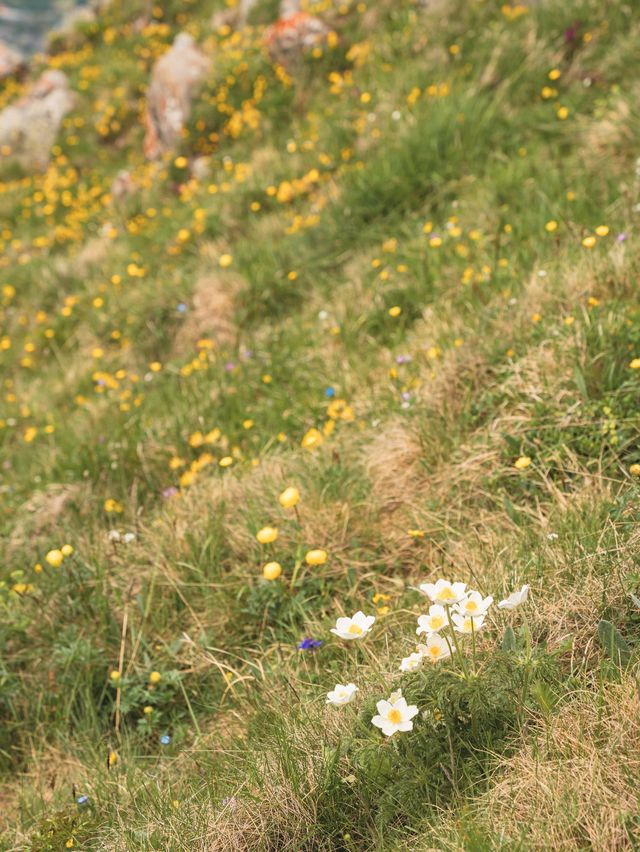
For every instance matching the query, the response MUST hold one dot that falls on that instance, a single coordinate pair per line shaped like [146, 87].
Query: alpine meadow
[320, 428]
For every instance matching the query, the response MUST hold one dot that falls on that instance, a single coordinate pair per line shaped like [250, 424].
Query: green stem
[473, 646]
[296, 570]
[455, 641]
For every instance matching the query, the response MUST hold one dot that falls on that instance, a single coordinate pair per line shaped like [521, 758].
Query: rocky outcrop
[294, 35]
[174, 81]
[11, 62]
[29, 127]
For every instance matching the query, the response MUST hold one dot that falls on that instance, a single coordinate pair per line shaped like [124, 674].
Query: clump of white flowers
[455, 611]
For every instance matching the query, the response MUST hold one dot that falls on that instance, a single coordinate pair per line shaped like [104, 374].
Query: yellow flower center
[446, 594]
[394, 716]
[472, 606]
[434, 651]
[436, 622]
[355, 630]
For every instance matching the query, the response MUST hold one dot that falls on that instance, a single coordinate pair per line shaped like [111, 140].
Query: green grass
[415, 164]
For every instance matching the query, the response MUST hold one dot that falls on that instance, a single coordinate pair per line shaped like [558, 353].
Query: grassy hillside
[404, 281]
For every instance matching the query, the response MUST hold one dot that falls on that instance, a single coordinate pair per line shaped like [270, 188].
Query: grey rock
[174, 81]
[30, 126]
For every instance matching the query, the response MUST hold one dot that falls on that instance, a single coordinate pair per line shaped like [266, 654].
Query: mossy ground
[474, 165]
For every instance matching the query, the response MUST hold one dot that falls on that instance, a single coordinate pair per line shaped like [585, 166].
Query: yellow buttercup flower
[54, 558]
[267, 535]
[272, 571]
[316, 557]
[522, 462]
[289, 498]
[312, 439]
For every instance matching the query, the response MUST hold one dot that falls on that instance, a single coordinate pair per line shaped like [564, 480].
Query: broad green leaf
[613, 643]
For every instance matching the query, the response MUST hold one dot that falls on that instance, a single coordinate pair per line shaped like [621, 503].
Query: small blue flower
[330, 392]
[182, 308]
[309, 644]
[81, 801]
[165, 739]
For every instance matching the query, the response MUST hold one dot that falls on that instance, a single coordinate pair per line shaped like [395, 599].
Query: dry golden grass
[212, 311]
[43, 511]
[572, 788]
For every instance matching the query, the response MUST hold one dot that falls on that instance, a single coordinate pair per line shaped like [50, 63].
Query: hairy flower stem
[527, 673]
[294, 576]
[455, 642]
[473, 646]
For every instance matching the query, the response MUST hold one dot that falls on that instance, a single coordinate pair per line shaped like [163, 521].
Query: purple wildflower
[309, 644]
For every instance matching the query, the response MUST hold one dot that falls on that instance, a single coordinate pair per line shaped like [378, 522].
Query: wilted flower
[354, 628]
[435, 648]
[342, 694]
[411, 663]
[515, 599]
[444, 592]
[436, 620]
[394, 715]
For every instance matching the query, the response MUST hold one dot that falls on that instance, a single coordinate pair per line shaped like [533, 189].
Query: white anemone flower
[435, 649]
[342, 694]
[474, 604]
[411, 663]
[394, 715]
[435, 621]
[467, 623]
[515, 599]
[444, 592]
[354, 628]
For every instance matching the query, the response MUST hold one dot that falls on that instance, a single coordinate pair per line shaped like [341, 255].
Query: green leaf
[580, 382]
[613, 643]
[545, 698]
[509, 640]
[511, 510]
